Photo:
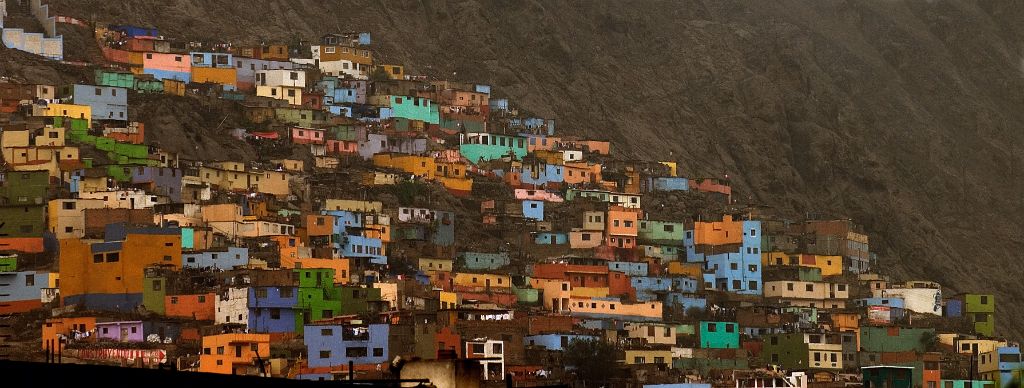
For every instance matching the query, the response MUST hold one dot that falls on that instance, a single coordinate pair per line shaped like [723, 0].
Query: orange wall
[718, 233]
[52, 327]
[315, 229]
[216, 75]
[79, 275]
[22, 244]
[200, 307]
[228, 360]
[617, 220]
[287, 251]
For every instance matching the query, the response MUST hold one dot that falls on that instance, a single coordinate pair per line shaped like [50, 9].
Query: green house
[414, 108]
[24, 188]
[661, 232]
[356, 299]
[154, 289]
[526, 296]
[885, 376]
[893, 339]
[8, 263]
[149, 86]
[981, 309]
[318, 296]
[966, 384]
[490, 146]
[116, 78]
[718, 335]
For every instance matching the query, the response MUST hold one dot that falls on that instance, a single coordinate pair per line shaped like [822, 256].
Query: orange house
[288, 246]
[110, 273]
[223, 76]
[201, 307]
[581, 172]
[22, 244]
[693, 270]
[233, 353]
[718, 233]
[622, 227]
[64, 326]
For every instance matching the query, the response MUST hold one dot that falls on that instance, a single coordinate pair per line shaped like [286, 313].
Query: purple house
[121, 331]
[162, 180]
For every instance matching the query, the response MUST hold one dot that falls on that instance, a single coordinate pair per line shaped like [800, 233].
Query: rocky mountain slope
[905, 116]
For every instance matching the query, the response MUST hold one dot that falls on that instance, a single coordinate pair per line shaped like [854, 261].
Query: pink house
[342, 147]
[158, 63]
[537, 195]
[302, 135]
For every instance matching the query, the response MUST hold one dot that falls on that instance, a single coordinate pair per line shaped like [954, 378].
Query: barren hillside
[905, 116]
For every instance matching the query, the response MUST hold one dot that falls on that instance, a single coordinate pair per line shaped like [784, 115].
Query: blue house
[215, 60]
[444, 228]
[668, 184]
[273, 309]
[486, 89]
[107, 102]
[539, 174]
[685, 301]
[533, 210]
[556, 341]
[647, 288]
[333, 345]
[498, 103]
[134, 31]
[736, 271]
[890, 302]
[628, 267]
[165, 181]
[227, 259]
[479, 260]
[354, 247]
[550, 238]
[954, 308]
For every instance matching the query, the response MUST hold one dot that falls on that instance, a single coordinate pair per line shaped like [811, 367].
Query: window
[275, 313]
[326, 332]
[789, 286]
[734, 266]
[261, 292]
[325, 354]
[329, 50]
[585, 237]
[378, 352]
[97, 258]
[712, 328]
[659, 360]
[202, 298]
[30, 280]
[113, 257]
[809, 287]
[730, 328]
[220, 350]
[841, 287]
[752, 268]
[817, 357]
[981, 318]
[984, 299]
[477, 348]
[356, 352]
[639, 360]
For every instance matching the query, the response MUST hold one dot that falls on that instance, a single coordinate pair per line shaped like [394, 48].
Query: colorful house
[234, 353]
[106, 102]
[980, 310]
[334, 344]
[477, 147]
[108, 275]
[1000, 366]
[167, 66]
[718, 335]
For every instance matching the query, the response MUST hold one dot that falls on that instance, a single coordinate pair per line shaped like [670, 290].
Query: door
[124, 334]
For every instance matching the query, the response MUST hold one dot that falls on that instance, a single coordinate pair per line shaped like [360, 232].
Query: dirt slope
[905, 116]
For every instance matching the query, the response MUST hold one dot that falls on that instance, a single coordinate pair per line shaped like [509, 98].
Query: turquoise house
[966, 384]
[718, 335]
[414, 108]
[488, 146]
[884, 376]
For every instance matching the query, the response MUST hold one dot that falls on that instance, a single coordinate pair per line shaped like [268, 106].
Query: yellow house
[652, 333]
[52, 137]
[354, 205]
[449, 300]
[64, 110]
[808, 294]
[429, 264]
[393, 71]
[66, 217]
[422, 166]
[693, 270]
[589, 292]
[829, 265]
[234, 176]
[292, 94]
[648, 356]
[482, 281]
[672, 167]
[291, 165]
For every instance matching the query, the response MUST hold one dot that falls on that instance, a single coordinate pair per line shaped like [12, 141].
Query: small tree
[595, 360]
